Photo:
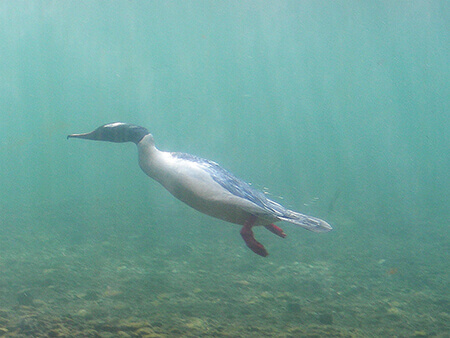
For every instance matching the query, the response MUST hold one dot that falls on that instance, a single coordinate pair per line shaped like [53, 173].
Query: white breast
[190, 183]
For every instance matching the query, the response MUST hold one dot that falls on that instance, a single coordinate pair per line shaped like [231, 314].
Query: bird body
[187, 178]
[205, 186]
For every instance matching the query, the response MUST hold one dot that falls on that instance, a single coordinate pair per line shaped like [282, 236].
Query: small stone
[243, 283]
[132, 326]
[195, 323]
[266, 295]
[89, 333]
[145, 331]
[39, 303]
[393, 311]
[110, 292]
[82, 313]
[284, 295]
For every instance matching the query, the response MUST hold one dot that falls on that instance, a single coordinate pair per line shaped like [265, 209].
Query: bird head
[115, 132]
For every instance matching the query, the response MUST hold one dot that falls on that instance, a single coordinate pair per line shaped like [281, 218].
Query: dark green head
[115, 132]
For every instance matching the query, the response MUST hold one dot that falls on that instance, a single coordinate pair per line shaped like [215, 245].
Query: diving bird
[206, 186]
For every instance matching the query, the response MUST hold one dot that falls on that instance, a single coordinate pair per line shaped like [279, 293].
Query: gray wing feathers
[237, 186]
[268, 208]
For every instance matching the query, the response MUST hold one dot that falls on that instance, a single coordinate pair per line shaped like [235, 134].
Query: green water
[338, 109]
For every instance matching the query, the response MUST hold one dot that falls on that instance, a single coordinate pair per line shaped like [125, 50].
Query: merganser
[205, 186]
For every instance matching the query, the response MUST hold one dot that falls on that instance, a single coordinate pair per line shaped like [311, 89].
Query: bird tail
[307, 222]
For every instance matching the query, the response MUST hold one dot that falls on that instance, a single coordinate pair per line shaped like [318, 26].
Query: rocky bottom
[143, 284]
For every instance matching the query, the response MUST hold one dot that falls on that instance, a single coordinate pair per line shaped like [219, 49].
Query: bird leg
[249, 238]
[276, 230]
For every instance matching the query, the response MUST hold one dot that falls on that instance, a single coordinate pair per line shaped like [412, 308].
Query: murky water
[335, 109]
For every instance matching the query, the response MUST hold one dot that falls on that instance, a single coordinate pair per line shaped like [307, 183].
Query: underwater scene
[316, 114]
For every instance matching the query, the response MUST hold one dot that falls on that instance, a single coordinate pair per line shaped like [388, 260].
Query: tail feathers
[307, 222]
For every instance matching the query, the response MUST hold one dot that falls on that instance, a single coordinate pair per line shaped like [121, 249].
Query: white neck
[150, 157]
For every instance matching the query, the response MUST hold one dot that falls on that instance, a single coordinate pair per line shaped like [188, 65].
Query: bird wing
[237, 187]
